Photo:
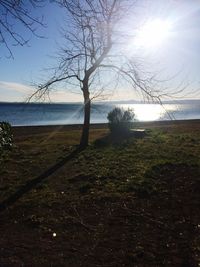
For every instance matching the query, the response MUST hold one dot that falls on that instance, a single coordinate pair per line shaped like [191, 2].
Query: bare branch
[93, 42]
[17, 12]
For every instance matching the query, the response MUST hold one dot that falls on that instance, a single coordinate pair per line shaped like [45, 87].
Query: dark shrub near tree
[120, 121]
[6, 138]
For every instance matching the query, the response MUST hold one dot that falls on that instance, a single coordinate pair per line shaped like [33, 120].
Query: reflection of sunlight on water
[150, 112]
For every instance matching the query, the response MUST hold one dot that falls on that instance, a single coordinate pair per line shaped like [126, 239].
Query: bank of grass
[120, 202]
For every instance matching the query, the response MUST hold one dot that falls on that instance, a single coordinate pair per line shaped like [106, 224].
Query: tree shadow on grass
[34, 182]
[119, 138]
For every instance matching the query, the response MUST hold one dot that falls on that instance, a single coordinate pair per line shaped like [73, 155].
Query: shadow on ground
[34, 182]
[119, 138]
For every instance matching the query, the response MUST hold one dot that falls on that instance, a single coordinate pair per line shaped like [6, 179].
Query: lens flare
[153, 33]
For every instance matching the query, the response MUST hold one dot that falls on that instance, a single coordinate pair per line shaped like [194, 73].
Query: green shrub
[6, 138]
[120, 121]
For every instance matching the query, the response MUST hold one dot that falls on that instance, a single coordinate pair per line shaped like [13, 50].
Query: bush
[6, 138]
[120, 121]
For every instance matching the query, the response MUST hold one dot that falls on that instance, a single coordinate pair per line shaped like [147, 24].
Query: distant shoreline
[29, 130]
[132, 101]
[70, 114]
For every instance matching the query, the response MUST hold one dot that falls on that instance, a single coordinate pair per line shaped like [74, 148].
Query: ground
[120, 202]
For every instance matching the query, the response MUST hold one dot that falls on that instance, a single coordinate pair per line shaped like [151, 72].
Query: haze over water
[53, 114]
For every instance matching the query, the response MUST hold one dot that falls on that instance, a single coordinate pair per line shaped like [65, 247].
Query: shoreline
[39, 129]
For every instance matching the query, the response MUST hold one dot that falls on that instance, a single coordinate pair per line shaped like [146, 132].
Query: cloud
[17, 87]
[65, 96]
[19, 92]
[11, 92]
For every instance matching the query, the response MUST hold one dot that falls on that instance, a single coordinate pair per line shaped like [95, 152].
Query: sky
[174, 50]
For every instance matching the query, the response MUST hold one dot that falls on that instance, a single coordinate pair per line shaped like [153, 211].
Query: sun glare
[153, 33]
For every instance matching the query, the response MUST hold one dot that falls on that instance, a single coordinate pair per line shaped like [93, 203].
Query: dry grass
[133, 202]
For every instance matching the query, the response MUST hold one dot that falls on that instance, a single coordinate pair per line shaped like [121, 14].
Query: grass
[132, 202]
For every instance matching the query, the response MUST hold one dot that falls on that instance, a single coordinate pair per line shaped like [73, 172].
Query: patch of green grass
[131, 157]
[120, 196]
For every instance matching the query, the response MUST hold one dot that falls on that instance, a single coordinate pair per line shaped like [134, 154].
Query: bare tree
[93, 53]
[13, 15]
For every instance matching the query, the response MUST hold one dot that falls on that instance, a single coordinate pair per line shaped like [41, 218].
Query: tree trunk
[86, 124]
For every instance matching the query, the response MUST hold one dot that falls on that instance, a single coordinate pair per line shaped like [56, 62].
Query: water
[53, 114]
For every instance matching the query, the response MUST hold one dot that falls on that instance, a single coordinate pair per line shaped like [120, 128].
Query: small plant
[6, 138]
[120, 121]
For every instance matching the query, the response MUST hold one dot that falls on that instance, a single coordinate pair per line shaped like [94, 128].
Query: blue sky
[179, 53]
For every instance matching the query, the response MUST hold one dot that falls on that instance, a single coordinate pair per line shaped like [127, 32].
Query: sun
[153, 33]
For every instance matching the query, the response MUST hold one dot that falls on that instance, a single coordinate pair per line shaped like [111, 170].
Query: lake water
[53, 114]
